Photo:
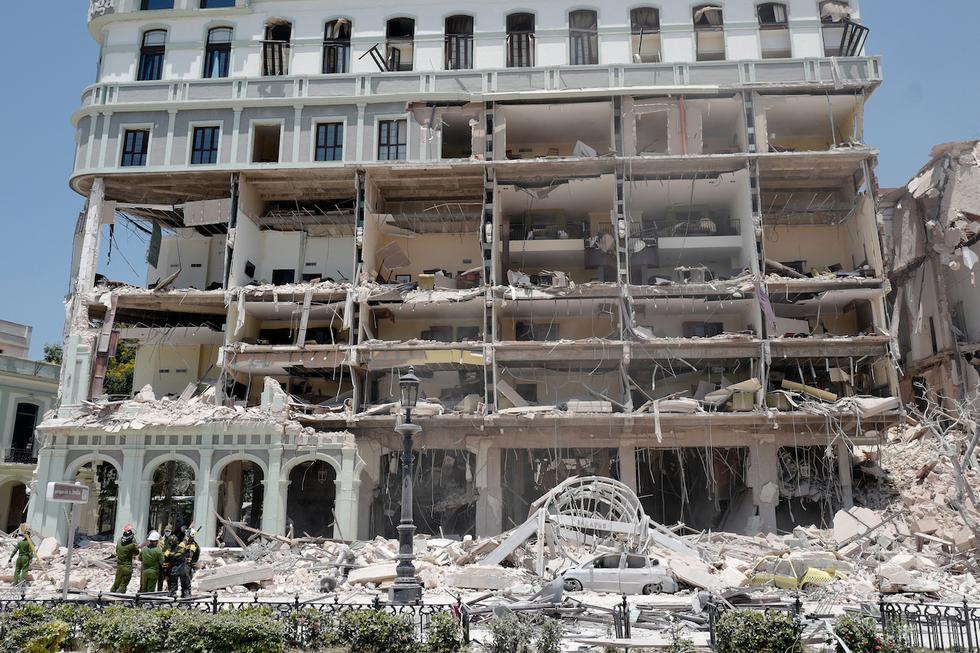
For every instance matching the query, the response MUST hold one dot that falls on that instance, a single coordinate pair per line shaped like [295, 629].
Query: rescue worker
[126, 550]
[192, 552]
[24, 552]
[177, 559]
[165, 566]
[170, 555]
[151, 559]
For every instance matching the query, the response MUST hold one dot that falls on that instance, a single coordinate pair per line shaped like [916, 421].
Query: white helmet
[154, 537]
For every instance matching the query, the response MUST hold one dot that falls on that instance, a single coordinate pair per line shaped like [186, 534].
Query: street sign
[68, 493]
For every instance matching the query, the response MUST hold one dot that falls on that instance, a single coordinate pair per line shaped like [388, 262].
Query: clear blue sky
[931, 95]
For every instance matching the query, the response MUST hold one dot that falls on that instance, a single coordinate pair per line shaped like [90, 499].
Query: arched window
[709, 32]
[152, 51]
[275, 48]
[22, 439]
[583, 37]
[645, 31]
[520, 40]
[459, 43]
[217, 53]
[336, 46]
[400, 43]
[774, 30]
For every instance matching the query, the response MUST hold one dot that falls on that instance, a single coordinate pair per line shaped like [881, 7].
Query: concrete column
[347, 496]
[235, 128]
[168, 153]
[627, 467]
[130, 504]
[272, 502]
[297, 130]
[489, 503]
[359, 149]
[203, 499]
[844, 474]
[47, 517]
[763, 470]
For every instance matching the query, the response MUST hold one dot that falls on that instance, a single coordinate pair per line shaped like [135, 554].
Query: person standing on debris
[168, 543]
[126, 550]
[24, 552]
[192, 552]
[176, 557]
[151, 559]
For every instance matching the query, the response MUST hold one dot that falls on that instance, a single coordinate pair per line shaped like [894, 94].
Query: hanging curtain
[338, 30]
[459, 26]
[584, 20]
[710, 16]
[646, 20]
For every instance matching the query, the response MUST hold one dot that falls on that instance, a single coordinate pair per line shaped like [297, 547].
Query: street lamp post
[406, 587]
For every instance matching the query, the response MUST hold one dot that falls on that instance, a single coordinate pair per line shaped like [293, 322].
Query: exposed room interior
[808, 123]
[528, 131]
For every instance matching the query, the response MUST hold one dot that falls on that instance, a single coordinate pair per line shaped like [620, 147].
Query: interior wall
[451, 252]
[183, 364]
[556, 387]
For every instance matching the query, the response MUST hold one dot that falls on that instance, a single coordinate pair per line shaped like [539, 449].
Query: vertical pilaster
[844, 474]
[627, 467]
[129, 500]
[203, 521]
[489, 504]
[348, 496]
[272, 501]
[764, 481]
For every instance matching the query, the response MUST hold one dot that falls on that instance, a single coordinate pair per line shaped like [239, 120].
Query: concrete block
[769, 493]
[904, 560]
[384, 572]
[926, 525]
[478, 578]
[854, 522]
[240, 573]
[963, 540]
[48, 548]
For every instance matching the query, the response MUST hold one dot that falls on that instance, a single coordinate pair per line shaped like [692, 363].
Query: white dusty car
[621, 573]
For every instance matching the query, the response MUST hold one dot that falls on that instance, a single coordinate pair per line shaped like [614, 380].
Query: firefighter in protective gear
[166, 544]
[151, 558]
[192, 552]
[24, 552]
[176, 557]
[126, 550]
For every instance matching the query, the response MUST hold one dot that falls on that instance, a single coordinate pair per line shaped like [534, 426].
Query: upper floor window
[774, 30]
[204, 147]
[330, 141]
[400, 43]
[459, 42]
[842, 37]
[216, 4]
[520, 40]
[709, 33]
[151, 55]
[645, 31]
[147, 5]
[217, 53]
[583, 37]
[275, 48]
[136, 143]
[336, 46]
[25, 422]
[392, 140]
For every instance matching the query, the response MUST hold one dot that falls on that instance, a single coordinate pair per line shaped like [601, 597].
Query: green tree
[53, 354]
[119, 374]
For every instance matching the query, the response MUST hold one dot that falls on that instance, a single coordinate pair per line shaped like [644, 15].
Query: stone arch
[311, 494]
[172, 480]
[97, 519]
[240, 496]
[13, 504]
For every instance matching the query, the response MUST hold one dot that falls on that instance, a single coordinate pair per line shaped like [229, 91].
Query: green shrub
[549, 638]
[376, 631]
[748, 631]
[516, 633]
[33, 629]
[127, 630]
[311, 630]
[861, 636]
[444, 634]
[254, 630]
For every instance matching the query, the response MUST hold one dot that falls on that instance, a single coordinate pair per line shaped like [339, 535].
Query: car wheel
[572, 585]
[652, 588]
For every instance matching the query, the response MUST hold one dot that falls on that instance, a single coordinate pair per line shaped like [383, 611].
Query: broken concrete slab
[373, 574]
[477, 577]
[849, 524]
[48, 548]
[240, 573]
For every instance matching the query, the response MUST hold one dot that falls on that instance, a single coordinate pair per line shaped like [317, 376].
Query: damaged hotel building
[635, 241]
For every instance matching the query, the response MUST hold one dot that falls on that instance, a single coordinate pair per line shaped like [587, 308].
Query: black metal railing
[932, 626]
[22, 456]
[296, 630]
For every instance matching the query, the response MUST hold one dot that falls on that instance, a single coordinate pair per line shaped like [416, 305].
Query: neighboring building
[571, 220]
[28, 389]
[932, 235]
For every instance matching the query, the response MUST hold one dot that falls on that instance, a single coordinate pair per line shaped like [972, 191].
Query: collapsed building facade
[635, 242]
[932, 236]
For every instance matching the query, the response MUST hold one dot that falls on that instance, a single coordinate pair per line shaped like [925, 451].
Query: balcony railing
[21, 456]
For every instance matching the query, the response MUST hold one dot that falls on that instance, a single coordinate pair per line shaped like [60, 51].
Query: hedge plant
[376, 631]
[749, 631]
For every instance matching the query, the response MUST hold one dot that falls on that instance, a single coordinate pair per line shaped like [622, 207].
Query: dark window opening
[336, 46]
[645, 33]
[330, 142]
[265, 143]
[709, 32]
[773, 14]
[217, 54]
[282, 277]
[392, 140]
[204, 149]
[520, 40]
[135, 145]
[216, 4]
[250, 269]
[457, 137]
[149, 5]
[459, 43]
[24, 423]
[932, 336]
[583, 26]
[152, 52]
[275, 49]
[400, 43]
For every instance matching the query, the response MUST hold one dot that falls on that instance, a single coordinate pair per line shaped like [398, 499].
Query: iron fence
[932, 626]
[296, 629]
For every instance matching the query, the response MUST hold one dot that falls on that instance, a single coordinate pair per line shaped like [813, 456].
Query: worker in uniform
[151, 559]
[177, 559]
[167, 544]
[126, 550]
[192, 552]
[24, 552]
